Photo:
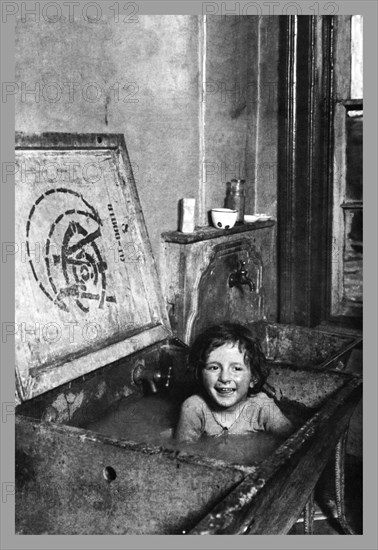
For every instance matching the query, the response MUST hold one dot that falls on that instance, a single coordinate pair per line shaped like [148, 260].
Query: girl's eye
[211, 367]
[239, 368]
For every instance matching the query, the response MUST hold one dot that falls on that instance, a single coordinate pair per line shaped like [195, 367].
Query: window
[347, 210]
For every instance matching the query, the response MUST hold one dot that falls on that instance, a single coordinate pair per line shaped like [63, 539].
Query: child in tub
[230, 368]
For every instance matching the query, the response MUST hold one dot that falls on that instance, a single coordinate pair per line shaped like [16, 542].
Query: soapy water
[246, 450]
[152, 419]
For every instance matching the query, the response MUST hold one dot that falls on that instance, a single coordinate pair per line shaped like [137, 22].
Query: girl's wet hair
[232, 333]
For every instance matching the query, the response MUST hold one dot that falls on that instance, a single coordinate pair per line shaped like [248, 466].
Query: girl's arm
[274, 420]
[190, 426]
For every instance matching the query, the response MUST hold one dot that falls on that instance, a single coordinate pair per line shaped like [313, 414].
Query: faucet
[240, 277]
[143, 375]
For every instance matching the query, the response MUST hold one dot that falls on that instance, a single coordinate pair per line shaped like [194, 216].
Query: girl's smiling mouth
[224, 391]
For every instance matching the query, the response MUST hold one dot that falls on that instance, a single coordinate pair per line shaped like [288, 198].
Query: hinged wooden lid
[87, 291]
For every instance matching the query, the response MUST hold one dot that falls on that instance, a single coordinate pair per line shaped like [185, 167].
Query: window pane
[356, 88]
[352, 296]
[354, 156]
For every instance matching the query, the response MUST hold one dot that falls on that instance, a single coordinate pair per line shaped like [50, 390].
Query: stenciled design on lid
[71, 268]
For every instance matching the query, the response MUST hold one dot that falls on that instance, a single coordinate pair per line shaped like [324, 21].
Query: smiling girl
[230, 368]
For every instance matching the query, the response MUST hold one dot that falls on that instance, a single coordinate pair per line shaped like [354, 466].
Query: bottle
[235, 198]
[187, 215]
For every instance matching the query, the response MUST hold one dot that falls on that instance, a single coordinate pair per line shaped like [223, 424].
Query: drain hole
[109, 473]
[99, 139]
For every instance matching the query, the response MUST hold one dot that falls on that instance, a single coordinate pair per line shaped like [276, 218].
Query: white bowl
[223, 218]
[250, 218]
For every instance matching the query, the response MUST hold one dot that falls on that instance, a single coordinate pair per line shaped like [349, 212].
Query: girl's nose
[224, 376]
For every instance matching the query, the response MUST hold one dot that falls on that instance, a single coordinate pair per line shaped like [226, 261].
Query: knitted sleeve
[271, 419]
[190, 426]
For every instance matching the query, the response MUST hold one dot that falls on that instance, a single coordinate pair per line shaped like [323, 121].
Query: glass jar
[235, 198]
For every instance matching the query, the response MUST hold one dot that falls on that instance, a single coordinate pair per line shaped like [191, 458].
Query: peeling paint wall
[143, 78]
[139, 79]
[241, 85]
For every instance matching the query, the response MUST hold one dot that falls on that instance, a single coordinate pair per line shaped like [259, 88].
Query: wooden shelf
[207, 232]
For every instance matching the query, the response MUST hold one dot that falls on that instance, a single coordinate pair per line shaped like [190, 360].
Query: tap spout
[150, 378]
[240, 277]
[250, 283]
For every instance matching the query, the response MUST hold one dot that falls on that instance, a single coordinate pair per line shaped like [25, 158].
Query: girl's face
[226, 378]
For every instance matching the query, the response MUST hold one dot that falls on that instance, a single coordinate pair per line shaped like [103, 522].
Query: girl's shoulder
[194, 402]
[260, 398]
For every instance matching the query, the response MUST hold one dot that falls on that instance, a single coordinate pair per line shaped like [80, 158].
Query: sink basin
[118, 471]
[295, 345]
[93, 448]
